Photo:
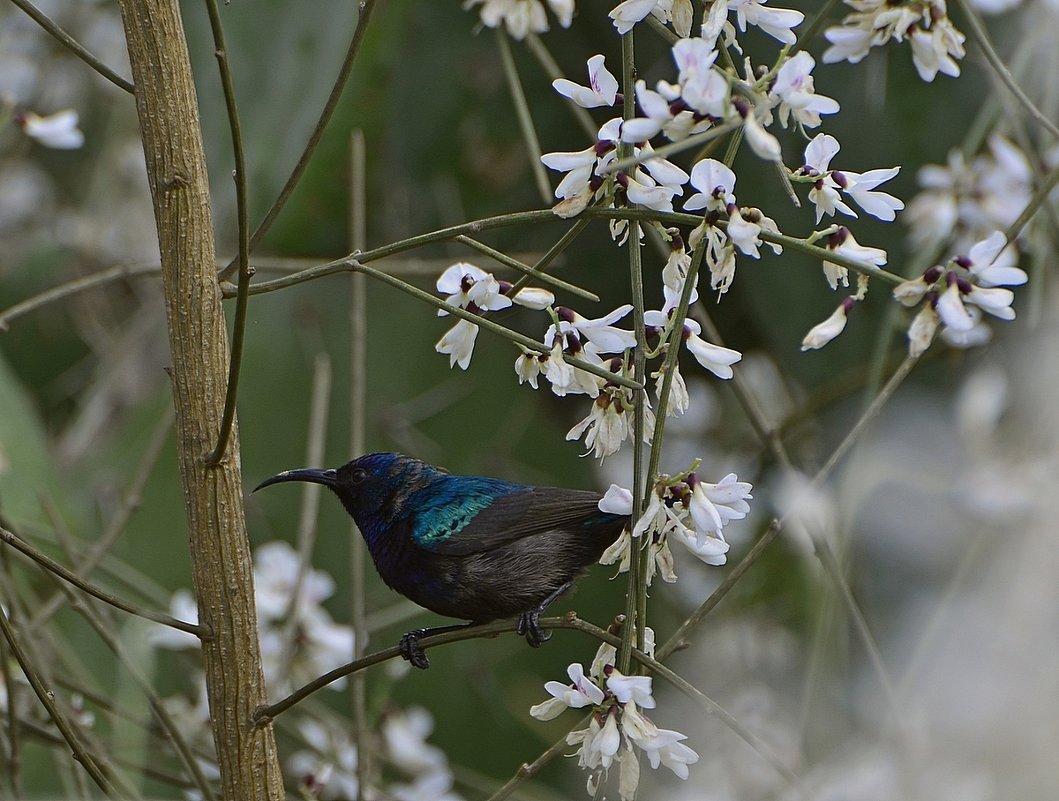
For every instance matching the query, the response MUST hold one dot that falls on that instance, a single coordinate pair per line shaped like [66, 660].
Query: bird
[474, 548]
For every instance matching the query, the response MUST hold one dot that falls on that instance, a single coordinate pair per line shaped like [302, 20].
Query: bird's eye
[358, 475]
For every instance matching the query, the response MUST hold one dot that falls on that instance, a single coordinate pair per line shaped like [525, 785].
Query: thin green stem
[525, 116]
[358, 405]
[551, 67]
[158, 708]
[47, 698]
[633, 631]
[525, 269]
[71, 44]
[365, 8]
[981, 37]
[245, 273]
[70, 577]
[554, 251]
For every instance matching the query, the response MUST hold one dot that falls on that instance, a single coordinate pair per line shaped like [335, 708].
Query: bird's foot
[529, 626]
[412, 651]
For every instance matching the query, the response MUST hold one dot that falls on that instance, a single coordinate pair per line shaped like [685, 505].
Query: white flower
[764, 144]
[859, 186]
[628, 13]
[712, 506]
[599, 331]
[795, 89]
[709, 549]
[950, 306]
[522, 17]
[716, 184]
[582, 693]
[822, 333]
[458, 343]
[702, 87]
[636, 689]
[662, 746]
[714, 358]
[978, 334]
[58, 131]
[605, 427]
[616, 501]
[848, 43]
[995, 300]
[277, 568]
[528, 367]
[921, 331]
[405, 733]
[602, 87]
[743, 233]
[937, 50]
[679, 399]
[329, 768]
[844, 243]
[776, 22]
[465, 285]
[992, 261]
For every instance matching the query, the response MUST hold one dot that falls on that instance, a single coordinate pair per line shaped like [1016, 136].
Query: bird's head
[368, 486]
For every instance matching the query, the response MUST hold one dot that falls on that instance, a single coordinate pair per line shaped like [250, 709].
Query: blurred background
[941, 518]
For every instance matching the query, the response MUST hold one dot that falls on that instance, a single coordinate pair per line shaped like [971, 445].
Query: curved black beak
[329, 478]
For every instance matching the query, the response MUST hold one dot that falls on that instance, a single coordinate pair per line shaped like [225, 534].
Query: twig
[70, 577]
[551, 67]
[245, 273]
[365, 7]
[129, 503]
[982, 39]
[72, 288]
[47, 698]
[71, 44]
[525, 117]
[358, 404]
[165, 720]
[525, 269]
[554, 251]
[527, 770]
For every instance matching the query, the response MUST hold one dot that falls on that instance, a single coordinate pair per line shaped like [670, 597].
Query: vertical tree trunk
[220, 553]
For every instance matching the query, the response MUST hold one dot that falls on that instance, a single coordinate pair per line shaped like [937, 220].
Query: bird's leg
[529, 623]
[413, 652]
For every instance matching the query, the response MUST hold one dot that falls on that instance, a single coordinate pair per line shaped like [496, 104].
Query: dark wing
[511, 517]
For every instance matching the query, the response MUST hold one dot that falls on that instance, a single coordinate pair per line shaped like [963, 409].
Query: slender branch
[554, 251]
[71, 44]
[982, 39]
[87, 561]
[689, 143]
[68, 288]
[527, 770]
[1040, 197]
[636, 584]
[47, 698]
[358, 404]
[551, 67]
[365, 7]
[245, 273]
[158, 709]
[70, 577]
[525, 269]
[525, 117]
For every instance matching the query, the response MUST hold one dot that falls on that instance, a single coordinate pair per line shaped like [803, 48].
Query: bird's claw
[412, 651]
[529, 626]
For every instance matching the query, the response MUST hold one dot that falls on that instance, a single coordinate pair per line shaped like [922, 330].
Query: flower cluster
[618, 731]
[477, 291]
[964, 200]
[937, 46]
[299, 639]
[522, 17]
[685, 507]
[327, 767]
[957, 294]
[591, 341]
